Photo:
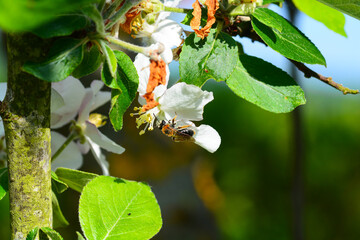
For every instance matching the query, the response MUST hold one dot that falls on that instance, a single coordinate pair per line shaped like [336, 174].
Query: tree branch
[246, 31]
[308, 73]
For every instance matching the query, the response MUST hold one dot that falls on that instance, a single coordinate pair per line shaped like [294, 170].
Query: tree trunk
[27, 129]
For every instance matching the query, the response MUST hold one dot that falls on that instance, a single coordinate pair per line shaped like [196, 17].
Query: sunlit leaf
[202, 59]
[265, 85]
[113, 208]
[110, 58]
[75, 179]
[48, 233]
[330, 17]
[124, 87]
[32, 234]
[290, 42]
[350, 7]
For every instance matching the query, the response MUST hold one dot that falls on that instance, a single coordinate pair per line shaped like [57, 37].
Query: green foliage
[58, 217]
[290, 42]
[350, 7]
[64, 56]
[109, 58]
[272, 1]
[330, 17]
[213, 57]
[49, 234]
[32, 234]
[4, 185]
[91, 62]
[58, 185]
[80, 237]
[93, 13]
[113, 208]
[24, 15]
[124, 87]
[75, 179]
[61, 26]
[265, 85]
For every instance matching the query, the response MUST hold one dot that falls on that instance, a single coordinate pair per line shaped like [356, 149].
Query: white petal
[56, 100]
[100, 158]
[83, 147]
[72, 92]
[69, 158]
[96, 85]
[142, 65]
[186, 101]
[100, 99]
[87, 103]
[207, 137]
[2, 131]
[169, 33]
[100, 139]
[3, 87]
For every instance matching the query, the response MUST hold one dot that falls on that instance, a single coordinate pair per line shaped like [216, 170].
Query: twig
[308, 73]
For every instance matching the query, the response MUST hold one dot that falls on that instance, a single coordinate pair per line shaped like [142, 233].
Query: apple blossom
[86, 126]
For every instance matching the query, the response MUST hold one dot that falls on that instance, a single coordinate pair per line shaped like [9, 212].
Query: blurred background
[274, 177]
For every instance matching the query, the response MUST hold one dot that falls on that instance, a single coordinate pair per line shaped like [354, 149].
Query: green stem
[129, 46]
[177, 10]
[65, 144]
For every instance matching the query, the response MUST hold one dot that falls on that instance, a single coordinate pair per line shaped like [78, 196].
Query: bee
[177, 134]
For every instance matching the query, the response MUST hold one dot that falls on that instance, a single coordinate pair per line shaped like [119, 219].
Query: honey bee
[177, 134]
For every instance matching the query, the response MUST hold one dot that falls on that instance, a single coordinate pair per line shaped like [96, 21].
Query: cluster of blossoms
[172, 108]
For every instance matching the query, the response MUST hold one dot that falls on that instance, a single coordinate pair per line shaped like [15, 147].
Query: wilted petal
[100, 139]
[207, 137]
[186, 101]
[69, 158]
[100, 158]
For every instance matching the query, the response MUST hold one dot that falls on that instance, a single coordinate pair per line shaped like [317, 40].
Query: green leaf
[57, 184]
[124, 87]
[113, 208]
[272, 1]
[48, 233]
[269, 18]
[290, 42]
[75, 179]
[58, 217]
[32, 234]
[61, 26]
[189, 17]
[91, 62]
[24, 15]
[4, 182]
[109, 57]
[213, 57]
[265, 85]
[80, 237]
[64, 56]
[330, 17]
[93, 13]
[350, 7]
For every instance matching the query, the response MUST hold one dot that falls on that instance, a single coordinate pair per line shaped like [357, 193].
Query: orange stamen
[212, 6]
[130, 16]
[157, 77]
